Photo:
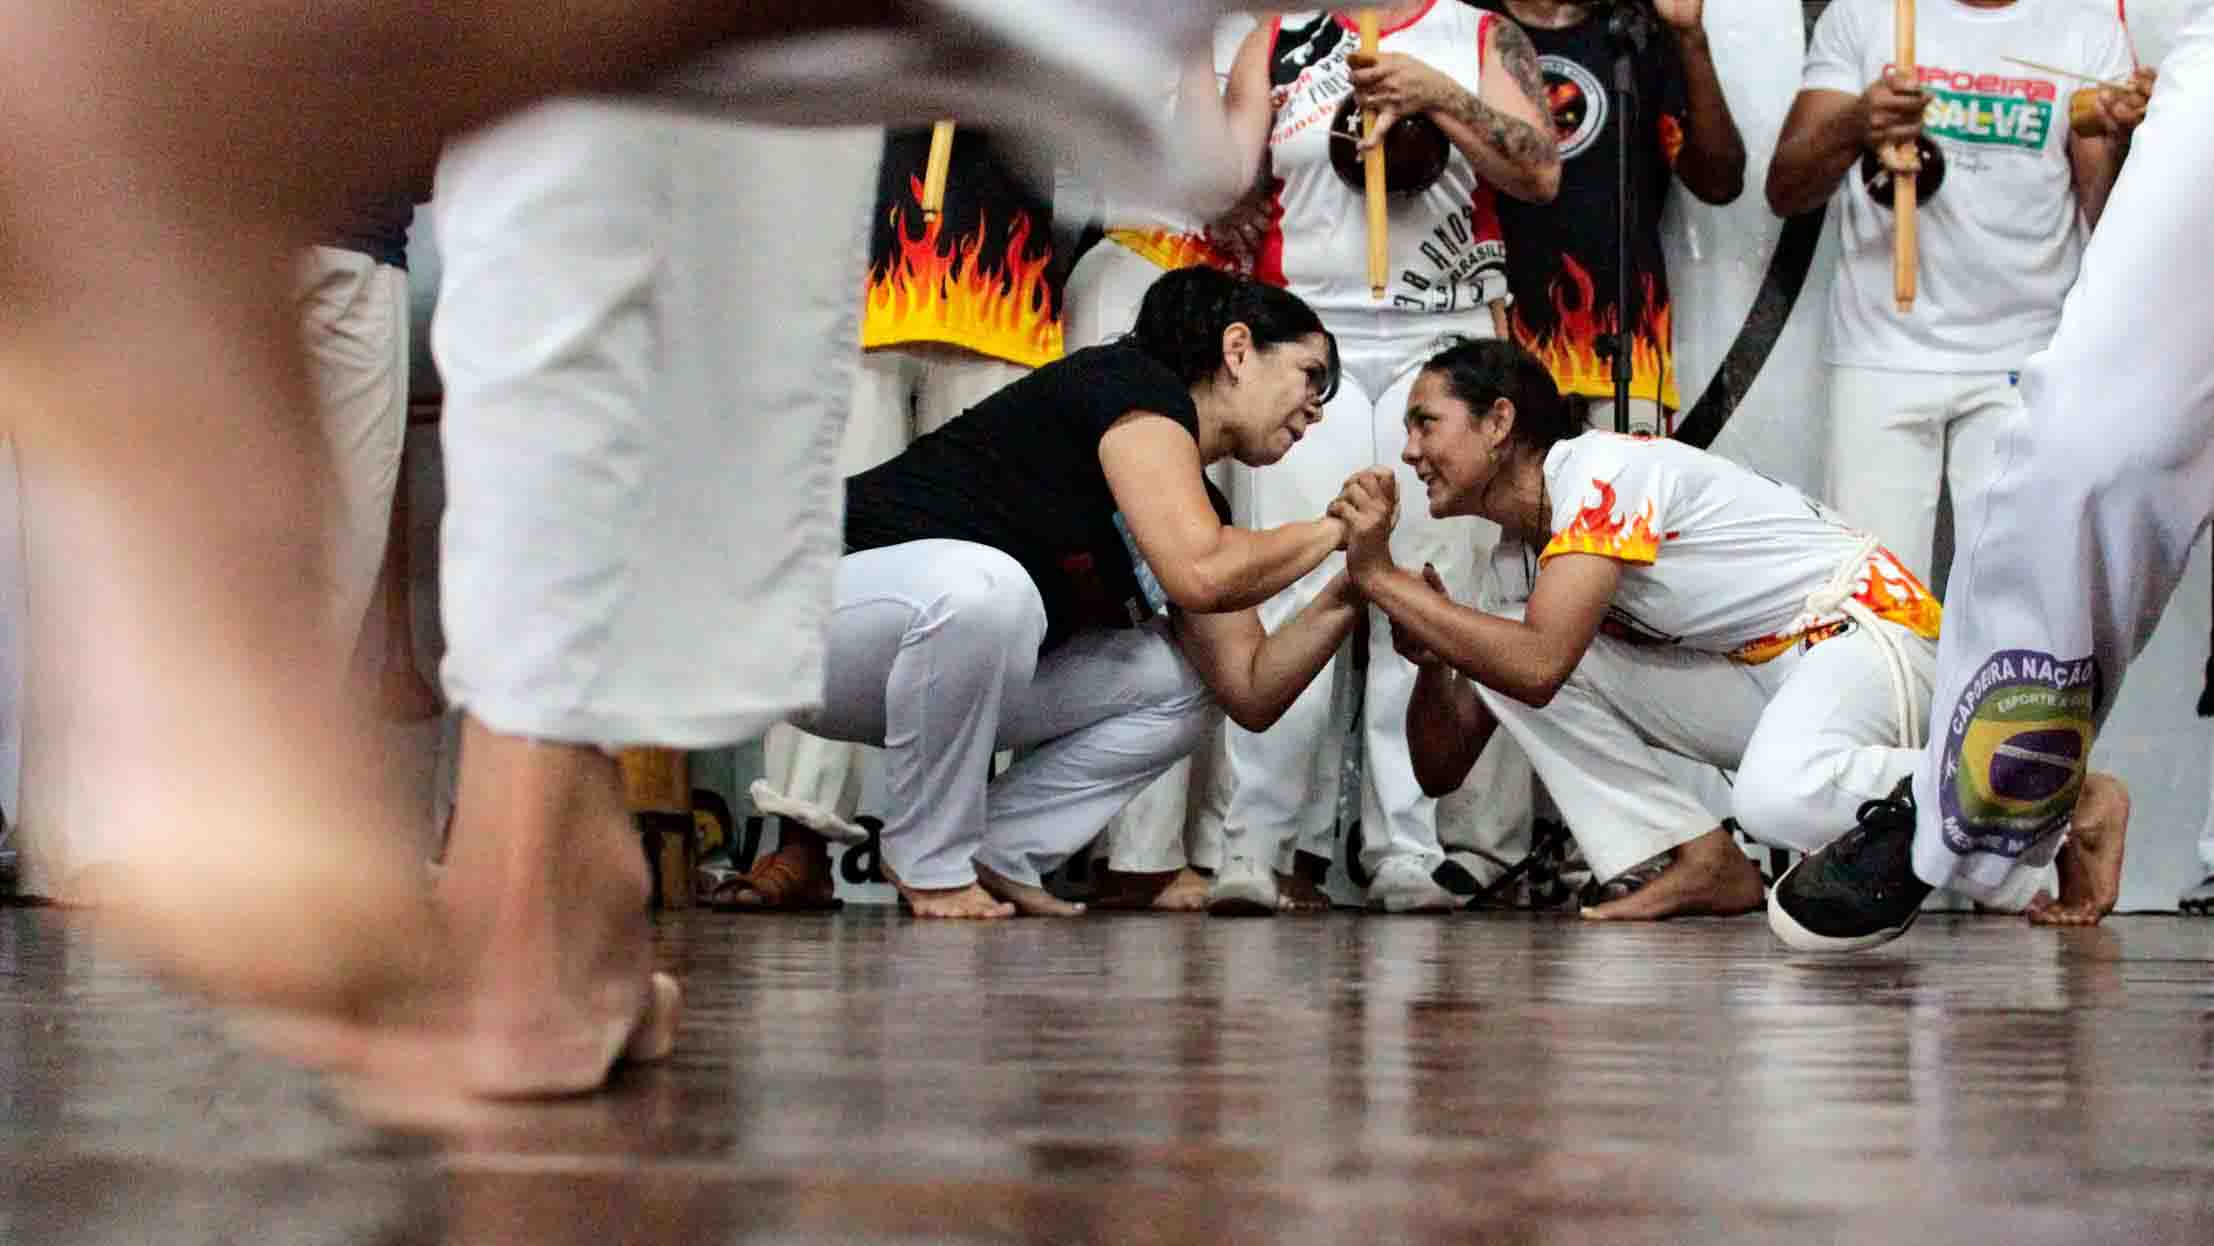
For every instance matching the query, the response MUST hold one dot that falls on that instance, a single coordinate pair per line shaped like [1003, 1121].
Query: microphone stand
[1628, 28]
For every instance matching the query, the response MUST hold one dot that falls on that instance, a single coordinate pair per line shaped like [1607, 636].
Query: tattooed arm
[1502, 128]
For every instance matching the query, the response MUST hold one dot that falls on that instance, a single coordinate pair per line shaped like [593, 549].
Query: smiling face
[1279, 393]
[1455, 452]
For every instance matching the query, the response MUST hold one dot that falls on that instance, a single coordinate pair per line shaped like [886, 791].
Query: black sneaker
[2199, 901]
[1858, 892]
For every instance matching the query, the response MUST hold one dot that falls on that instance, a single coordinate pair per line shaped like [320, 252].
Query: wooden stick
[2118, 84]
[1905, 255]
[934, 173]
[1379, 224]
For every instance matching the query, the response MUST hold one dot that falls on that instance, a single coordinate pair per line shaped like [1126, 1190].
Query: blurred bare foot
[1028, 900]
[2090, 862]
[1709, 876]
[1170, 891]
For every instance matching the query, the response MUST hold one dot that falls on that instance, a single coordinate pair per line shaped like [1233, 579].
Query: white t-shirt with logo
[1716, 557]
[1444, 246]
[2001, 239]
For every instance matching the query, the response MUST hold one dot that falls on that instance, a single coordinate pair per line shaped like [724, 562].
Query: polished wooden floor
[859, 1078]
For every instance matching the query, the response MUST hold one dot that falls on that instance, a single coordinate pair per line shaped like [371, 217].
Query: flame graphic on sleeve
[1172, 251]
[1598, 530]
[1569, 348]
[938, 290]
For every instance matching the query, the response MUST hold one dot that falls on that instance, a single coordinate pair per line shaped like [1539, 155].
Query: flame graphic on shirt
[1569, 347]
[1887, 588]
[946, 290]
[1596, 529]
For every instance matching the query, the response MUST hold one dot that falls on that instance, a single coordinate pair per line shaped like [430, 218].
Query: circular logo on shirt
[1878, 178]
[1576, 100]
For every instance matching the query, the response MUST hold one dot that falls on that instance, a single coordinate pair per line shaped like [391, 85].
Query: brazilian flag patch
[2019, 742]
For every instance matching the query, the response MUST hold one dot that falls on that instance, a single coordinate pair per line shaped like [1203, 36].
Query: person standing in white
[2008, 191]
[2066, 563]
[1297, 84]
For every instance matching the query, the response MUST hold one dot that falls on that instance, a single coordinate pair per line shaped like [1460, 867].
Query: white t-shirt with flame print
[1716, 557]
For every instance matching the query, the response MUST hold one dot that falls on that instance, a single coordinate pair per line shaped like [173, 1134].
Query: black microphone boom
[1630, 28]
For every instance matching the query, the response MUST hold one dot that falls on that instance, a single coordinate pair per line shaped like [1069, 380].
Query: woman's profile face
[1280, 397]
[1447, 447]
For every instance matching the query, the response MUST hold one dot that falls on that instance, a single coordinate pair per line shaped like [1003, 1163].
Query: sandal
[777, 884]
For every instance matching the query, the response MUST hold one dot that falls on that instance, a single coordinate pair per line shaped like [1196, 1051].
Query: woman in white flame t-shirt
[1653, 598]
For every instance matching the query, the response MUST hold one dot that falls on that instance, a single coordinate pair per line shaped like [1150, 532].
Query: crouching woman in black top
[1052, 571]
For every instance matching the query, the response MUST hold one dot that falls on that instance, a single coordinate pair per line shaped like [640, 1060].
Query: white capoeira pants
[899, 393]
[1810, 736]
[934, 658]
[354, 321]
[1177, 820]
[1280, 788]
[2206, 834]
[1896, 437]
[645, 330]
[2067, 562]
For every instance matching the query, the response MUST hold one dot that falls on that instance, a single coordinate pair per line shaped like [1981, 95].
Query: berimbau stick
[934, 173]
[1905, 258]
[1379, 225]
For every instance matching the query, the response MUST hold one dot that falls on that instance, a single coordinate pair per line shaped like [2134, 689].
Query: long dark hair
[1181, 322]
[1480, 372]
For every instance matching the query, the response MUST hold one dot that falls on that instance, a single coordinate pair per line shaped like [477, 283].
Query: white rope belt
[1838, 597]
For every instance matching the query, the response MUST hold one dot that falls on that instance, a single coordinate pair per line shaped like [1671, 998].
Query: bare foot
[1028, 900]
[1297, 893]
[971, 903]
[1170, 891]
[1710, 876]
[545, 891]
[2090, 862]
[965, 903]
[1187, 894]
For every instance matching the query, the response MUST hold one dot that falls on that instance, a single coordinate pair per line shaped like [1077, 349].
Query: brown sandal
[1297, 893]
[776, 884]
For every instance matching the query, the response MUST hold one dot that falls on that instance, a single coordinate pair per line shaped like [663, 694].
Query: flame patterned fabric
[980, 276]
[1716, 558]
[1172, 250]
[1598, 529]
[1561, 255]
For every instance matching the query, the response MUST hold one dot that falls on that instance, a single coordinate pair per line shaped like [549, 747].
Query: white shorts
[648, 327]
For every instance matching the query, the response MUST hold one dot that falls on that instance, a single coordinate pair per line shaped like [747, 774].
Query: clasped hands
[1368, 506]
